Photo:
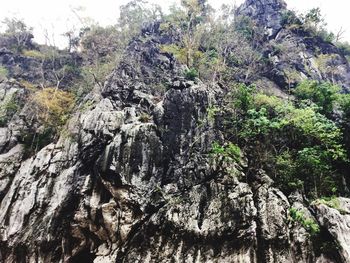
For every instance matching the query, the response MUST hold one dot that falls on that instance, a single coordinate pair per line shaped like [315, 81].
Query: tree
[133, 16]
[52, 106]
[314, 18]
[324, 94]
[292, 141]
[19, 31]
[101, 48]
[188, 21]
[73, 40]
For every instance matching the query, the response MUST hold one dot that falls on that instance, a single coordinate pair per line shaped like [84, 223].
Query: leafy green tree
[308, 223]
[324, 94]
[293, 142]
[314, 22]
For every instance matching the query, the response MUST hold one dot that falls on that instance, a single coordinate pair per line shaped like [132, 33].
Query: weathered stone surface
[267, 13]
[132, 179]
[295, 53]
[337, 222]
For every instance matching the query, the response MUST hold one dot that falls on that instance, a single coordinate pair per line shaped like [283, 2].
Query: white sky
[56, 15]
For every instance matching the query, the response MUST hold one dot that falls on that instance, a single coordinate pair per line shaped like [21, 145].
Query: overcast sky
[56, 15]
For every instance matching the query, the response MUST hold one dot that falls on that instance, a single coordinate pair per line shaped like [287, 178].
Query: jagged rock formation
[267, 13]
[295, 53]
[36, 68]
[336, 222]
[133, 180]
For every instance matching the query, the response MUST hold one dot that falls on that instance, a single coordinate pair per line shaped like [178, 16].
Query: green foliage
[102, 48]
[286, 170]
[289, 18]
[306, 122]
[8, 108]
[217, 45]
[178, 52]
[188, 22]
[33, 54]
[332, 202]
[52, 106]
[3, 72]
[28, 85]
[257, 124]
[312, 22]
[245, 26]
[296, 144]
[185, 55]
[11, 105]
[19, 33]
[133, 16]
[326, 35]
[317, 149]
[308, 223]
[94, 73]
[329, 65]
[227, 54]
[91, 75]
[15, 26]
[322, 94]
[314, 17]
[316, 163]
[243, 96]
[212, 112]
[99, 42]
[191, 74]
[344, 102]
[229, 152]
[33, 142]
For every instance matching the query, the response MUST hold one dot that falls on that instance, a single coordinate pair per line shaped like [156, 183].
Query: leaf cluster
[308, 223]
[295, 142]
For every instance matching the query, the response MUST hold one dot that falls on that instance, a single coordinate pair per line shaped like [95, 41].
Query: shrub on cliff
[296, 144]
[18, 34]
[52, 106]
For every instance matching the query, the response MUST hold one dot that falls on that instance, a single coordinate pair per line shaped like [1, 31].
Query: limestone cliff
[133, 179]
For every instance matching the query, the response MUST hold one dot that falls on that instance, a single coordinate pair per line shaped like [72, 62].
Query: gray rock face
[30, 68]
[296, 57]
[265, 13]
[132, 179]
[123, 189]
[295, 54]
[336, 220]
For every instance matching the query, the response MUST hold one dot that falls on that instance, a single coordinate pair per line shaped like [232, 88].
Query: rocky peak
[266, 13]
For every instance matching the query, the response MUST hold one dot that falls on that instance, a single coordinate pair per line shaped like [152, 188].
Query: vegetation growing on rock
[227, 131]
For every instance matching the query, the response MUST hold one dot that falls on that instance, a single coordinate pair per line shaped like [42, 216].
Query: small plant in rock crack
[3, 72]
[191, 74]
[212, 112]
[144, 118]
[309, 224]
[228, 152]
[332, 202]
[176, 200]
